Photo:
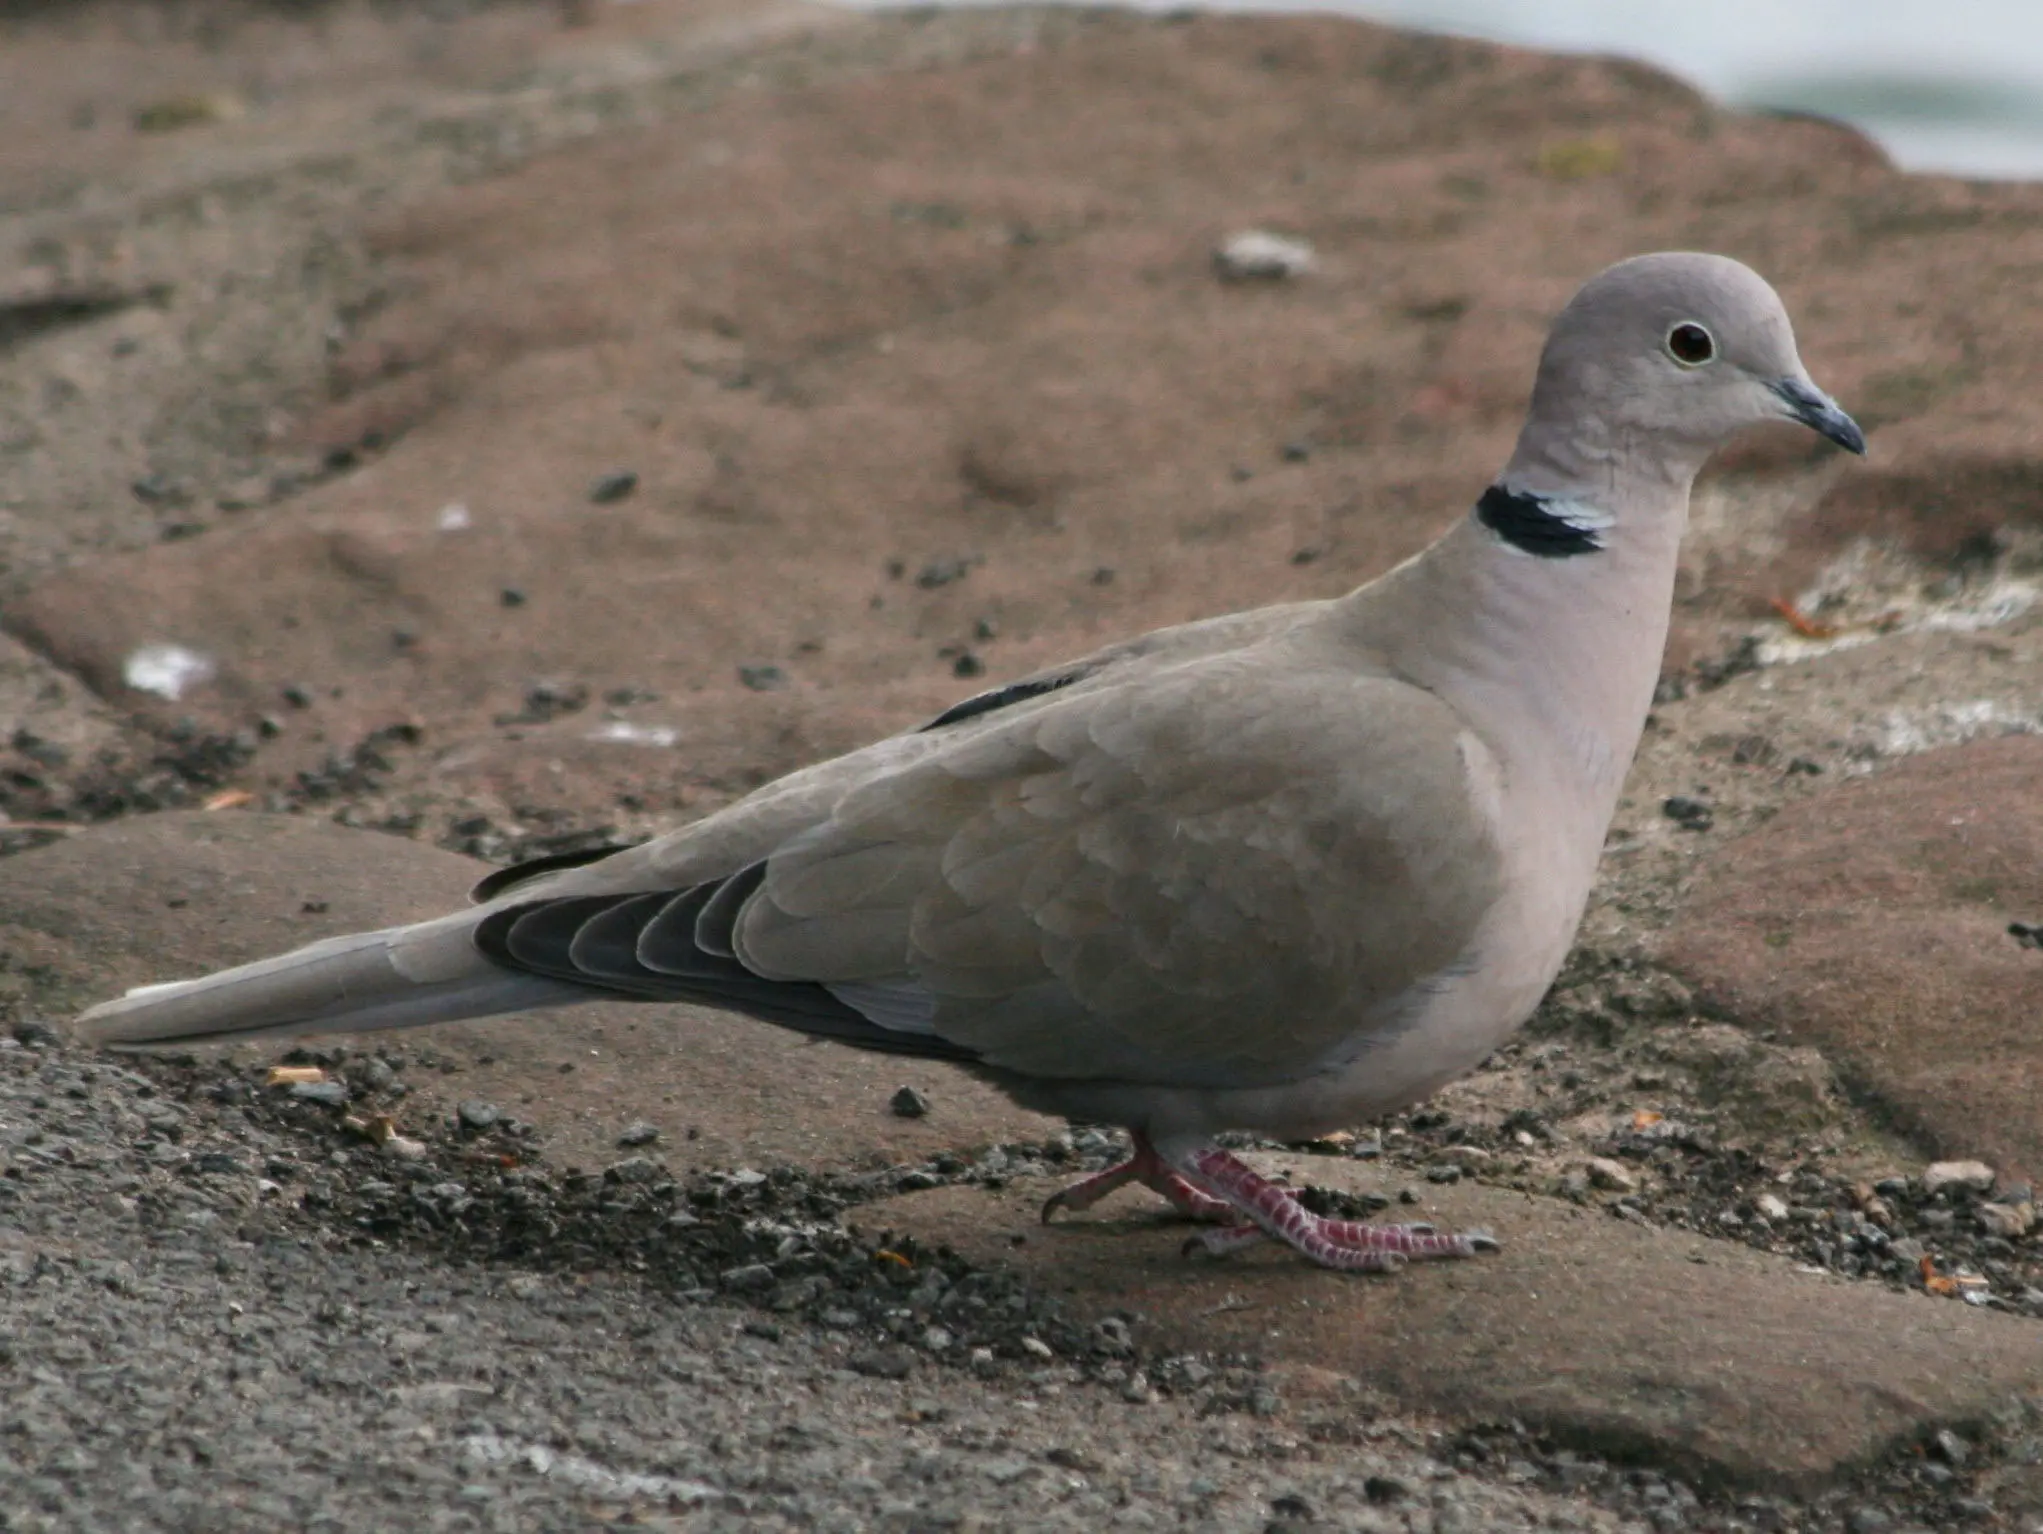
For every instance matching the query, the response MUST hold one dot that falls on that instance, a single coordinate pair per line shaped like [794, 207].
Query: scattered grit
[232, 1304]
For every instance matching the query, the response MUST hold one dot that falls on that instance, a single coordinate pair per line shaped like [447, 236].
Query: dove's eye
[1691, 345]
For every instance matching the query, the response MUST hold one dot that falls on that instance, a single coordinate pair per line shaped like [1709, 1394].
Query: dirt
[533, 426]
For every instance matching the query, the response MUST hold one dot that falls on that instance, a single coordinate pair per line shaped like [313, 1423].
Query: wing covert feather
[1217, 876]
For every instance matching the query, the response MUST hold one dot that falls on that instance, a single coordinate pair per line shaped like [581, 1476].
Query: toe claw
[1052, 1204]
[1482, 1241]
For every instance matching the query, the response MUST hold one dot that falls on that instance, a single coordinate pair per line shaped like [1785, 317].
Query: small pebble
[762, 678]
[1381, 1489]
[883, 1363]
[614, 486]
[1257, 255]
[752, 1278]
[908, 1103]
[332, 1094]
[639, 1133]
[634, 1170]
[941, 572]
[1612, 1176]
[477, 1115]
[1689, 814]
[2008, 1221]
[159, 490]
[1112, 1337]
[1974, 1175]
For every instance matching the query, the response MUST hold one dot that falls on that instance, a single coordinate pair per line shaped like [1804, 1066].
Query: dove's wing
[1217, 873]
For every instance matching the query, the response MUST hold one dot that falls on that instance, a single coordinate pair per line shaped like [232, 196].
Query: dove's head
[1665, 356]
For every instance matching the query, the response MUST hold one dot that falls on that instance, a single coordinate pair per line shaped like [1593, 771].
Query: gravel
[224, 1309]
[1948, 1231]
[228, 1307]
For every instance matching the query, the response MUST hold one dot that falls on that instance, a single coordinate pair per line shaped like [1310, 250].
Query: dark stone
[330, 1094]
[1689, 814]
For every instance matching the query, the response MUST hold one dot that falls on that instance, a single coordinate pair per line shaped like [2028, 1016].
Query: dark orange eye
[1691, 345]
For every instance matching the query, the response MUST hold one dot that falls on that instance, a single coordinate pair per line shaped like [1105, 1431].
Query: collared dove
[1281, 871]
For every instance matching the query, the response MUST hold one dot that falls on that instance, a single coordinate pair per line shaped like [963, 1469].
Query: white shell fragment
[454, 517]
[1258, 255]
[167, 670]
[597, 1479]
[624, 732]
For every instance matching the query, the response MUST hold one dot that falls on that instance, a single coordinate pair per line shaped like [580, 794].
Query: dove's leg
[1149, 1169]
[1350, 1244]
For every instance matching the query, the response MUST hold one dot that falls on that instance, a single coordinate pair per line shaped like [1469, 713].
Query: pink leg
[1149, 1169]
[1346, 1244]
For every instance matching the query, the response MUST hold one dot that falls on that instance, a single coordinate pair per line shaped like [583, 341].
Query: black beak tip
[1820, 413]
[1843, 430]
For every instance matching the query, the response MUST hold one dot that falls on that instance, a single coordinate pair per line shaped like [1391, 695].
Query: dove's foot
[1273, 1211]
[1149, 1169]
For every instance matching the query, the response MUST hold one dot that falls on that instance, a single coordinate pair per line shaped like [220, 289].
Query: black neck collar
[1536, 524]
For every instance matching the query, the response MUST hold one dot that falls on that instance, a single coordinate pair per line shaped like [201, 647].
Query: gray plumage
[1278, 871]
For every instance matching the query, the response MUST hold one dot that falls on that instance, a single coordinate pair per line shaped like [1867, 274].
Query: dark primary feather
[597, 941]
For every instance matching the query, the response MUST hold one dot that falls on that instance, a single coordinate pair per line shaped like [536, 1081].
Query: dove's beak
[1819, 412]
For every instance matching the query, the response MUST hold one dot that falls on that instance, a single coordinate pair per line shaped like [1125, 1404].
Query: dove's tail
[400, 977]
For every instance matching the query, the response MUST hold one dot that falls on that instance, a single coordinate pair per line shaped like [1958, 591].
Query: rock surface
[784, 332]
[1873, 920]
[1615, 1338]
